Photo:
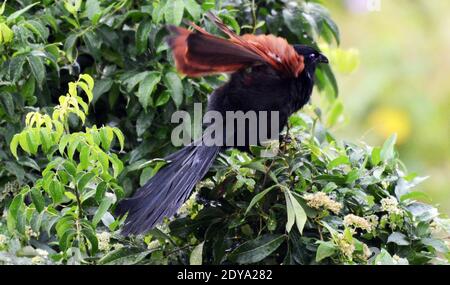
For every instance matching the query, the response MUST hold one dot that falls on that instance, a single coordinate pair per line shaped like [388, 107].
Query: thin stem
[254, 16]
[80, 210]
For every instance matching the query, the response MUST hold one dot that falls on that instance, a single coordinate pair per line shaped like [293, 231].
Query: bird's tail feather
[168, 189]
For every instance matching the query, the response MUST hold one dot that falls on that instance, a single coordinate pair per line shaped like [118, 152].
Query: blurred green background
[402, 83]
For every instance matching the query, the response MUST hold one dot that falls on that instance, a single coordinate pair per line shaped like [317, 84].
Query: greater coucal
[267, 74]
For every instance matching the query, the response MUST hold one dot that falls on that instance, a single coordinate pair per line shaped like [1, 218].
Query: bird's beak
[322, 59]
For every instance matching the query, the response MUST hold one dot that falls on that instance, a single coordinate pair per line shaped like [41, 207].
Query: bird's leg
[286, 138]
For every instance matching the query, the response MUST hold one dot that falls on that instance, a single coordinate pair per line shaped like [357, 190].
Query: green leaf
[256, 250]
[13, 145]
[92, 8]
[196, 255]
[384, 258]
[193, 8]
[84, 180]
[335, 113]
[387, 151]
[146, 87]
[375, 156]
[84, 157]
[28, 90]
[101, 87]
[37, 69]
[343, 159]
[18, 13]
[120, 137]
[144, 121]
[70, 168]
[146, 174]
[173, 81]
[163, 98]
[37, 199]
[437, 244]
[124, 256]
[2, 8]
[398, 238]
[14, 211]
[295, 212]
[92, 238]
[106, 137]
[100, 191]
[56, 191]
[6, 34]
[70, 47]
[142, 35]
[16, 67]
[102, 209]
[173, 12]
[89, 80]
[415, 195]
[325, 249]
[258, 197]
[7, 103]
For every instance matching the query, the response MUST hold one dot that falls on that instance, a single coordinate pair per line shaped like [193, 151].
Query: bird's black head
[311, 56]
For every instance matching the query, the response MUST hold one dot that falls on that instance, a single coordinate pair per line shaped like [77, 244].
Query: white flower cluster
[103, 241]
[154, 244]
[357, 222]
[373, 220]
[366, 252]
[320, 199]
[30, 233]
[41, 257]
[3, 241]
[390, 205]
[399, 260]
[345, 246]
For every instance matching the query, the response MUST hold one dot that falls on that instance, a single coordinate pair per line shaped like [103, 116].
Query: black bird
[267, 74]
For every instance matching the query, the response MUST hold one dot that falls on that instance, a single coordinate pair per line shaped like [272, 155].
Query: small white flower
[390, 205]
[346, 247]
[3, 240]
[30, 233]
[103, 241]
[42, 252]
[320, 199]
[400, 261]
[38, 260]
[154, 244]
[357, 222]
[373, 220]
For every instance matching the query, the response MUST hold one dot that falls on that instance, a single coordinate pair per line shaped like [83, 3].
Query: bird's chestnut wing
[200, 53]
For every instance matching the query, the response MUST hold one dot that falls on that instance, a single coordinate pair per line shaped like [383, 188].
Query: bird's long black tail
[168, 189]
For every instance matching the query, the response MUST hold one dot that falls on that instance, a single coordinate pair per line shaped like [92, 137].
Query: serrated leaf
[146, 87]
[37, 199]
[173, 81]
[173, 12]
[37, 69]
[193, 8]
[84, 180]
